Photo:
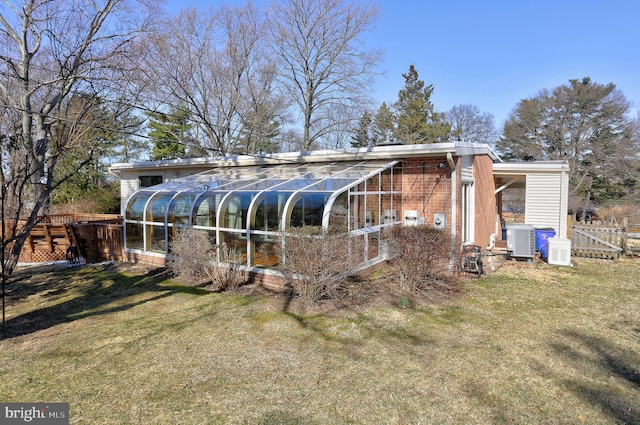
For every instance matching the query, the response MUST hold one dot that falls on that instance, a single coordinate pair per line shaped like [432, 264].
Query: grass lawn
[529, 344]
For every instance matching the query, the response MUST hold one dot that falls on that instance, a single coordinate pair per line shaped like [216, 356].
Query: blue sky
[492, 54]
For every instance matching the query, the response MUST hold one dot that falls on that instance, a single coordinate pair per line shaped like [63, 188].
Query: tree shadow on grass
[349, 306]
[81, 292]
[598, 356]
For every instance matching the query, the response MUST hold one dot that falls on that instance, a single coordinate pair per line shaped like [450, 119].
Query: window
[467, 212]
[146, 181]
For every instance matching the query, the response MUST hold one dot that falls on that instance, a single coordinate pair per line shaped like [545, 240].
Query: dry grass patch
[518, 347]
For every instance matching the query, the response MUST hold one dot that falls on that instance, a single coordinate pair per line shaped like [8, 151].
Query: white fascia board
[519, 168]
[370, 153]
[464, 149]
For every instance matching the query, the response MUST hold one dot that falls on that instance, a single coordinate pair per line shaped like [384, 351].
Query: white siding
[544, 201]
[130, 179]
[466, 171]
[128, 185]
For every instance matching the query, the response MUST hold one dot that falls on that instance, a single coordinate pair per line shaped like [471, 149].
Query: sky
[492, 54]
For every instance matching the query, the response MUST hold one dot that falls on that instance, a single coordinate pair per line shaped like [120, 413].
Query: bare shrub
[317, 263]
[421, 255]
[617, 213]
[193, 257]
[227, 275]
[189, 253]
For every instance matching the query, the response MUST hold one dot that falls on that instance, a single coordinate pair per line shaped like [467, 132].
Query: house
[246, 201]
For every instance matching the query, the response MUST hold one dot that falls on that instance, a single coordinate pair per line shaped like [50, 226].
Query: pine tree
[170, 134]
[361, 137]
[384, 124]
[584, 123]
[418, 122]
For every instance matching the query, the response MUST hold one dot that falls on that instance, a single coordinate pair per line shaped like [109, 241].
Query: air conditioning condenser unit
[521, 240]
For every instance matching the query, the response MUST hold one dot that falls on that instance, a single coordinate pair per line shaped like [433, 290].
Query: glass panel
[156, 239]
[373, 184]
[205, 209]
[386, 184]
[173, 231]
[397, 204]
[267, 250]
[135, 208]
[357, 247]
[389, 208]
[332, 184]
[235, 215]
[269, 212]
[212, 236]
[338, 220]
[180, 208]
[134, 236]
[308, 210]
[372, 245]
[357, 212]
[158, 206]
[236, 243]
[372, 215]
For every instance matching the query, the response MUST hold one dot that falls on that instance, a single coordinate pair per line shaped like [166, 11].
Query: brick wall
[426, 187]
[485, 201]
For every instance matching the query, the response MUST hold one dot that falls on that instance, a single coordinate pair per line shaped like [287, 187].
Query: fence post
[625, 237]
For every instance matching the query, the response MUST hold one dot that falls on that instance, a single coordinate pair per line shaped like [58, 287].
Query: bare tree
[318, 46]
[213, 64]
[52, 53]
[469, 125]
[342, 119]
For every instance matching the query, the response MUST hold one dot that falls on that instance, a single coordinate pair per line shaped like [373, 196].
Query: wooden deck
[97, 237]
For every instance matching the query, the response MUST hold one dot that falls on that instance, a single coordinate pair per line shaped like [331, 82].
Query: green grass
[530, 344]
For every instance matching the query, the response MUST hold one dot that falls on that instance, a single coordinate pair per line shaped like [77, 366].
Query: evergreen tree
[418, 122]
[170, 133]
[125, 145]
[260, 130]
[361, 137]
[104, 133]
[584, 123]
[384, 124]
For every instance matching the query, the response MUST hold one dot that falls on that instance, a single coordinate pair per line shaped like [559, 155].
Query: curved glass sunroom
[248, 207]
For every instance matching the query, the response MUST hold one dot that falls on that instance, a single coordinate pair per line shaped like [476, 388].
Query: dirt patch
[371, 289]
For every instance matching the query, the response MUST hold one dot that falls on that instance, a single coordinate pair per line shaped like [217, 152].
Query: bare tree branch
[317, 47]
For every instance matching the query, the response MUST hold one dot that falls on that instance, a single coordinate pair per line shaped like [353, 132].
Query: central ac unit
[521, 240]
[559, 251]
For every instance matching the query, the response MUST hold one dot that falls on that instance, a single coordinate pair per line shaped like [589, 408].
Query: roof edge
[355, 154]
[374, 152]
[533, 166]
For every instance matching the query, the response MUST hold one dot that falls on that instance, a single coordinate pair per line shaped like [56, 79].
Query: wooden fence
[99, 241]
[604, 239]
[99, 237]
